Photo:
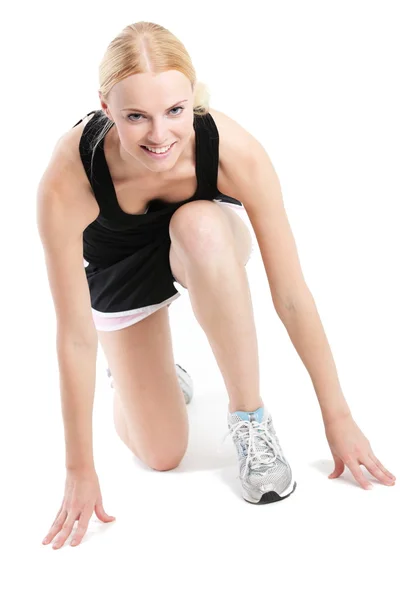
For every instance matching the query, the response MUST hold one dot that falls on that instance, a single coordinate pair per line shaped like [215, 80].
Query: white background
[317, 83]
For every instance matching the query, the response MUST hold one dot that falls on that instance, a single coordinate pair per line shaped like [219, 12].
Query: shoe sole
[270, 497]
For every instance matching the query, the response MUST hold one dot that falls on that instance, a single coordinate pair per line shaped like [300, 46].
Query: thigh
[141, 361]
[240, 226]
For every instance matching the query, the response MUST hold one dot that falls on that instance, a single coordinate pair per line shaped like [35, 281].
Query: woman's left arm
[248, 175]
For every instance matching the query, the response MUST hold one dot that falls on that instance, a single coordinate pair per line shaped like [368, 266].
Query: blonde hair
[145, 47]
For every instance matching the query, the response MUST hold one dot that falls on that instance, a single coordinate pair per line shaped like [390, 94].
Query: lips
[159, 155]
[157, 147]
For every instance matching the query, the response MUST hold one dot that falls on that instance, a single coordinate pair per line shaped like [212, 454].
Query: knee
[199, 228]
[165, 463]
[159, 461]
[162, 458]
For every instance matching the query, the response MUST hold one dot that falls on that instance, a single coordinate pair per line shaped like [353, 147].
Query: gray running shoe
[264, 472]
[185, 382]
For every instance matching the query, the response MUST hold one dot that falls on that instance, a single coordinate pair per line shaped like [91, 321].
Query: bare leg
[222, 305]
[150, 414]
[120, 423]
[216, 279]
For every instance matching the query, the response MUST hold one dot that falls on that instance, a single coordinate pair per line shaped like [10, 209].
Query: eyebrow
[146, 113]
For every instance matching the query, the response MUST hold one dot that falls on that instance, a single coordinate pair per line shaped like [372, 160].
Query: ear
[104, 106]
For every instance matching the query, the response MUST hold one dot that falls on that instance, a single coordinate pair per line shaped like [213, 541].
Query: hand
[350, 447]
[82, 495]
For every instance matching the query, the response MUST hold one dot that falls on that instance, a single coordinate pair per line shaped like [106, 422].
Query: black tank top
[128, 255]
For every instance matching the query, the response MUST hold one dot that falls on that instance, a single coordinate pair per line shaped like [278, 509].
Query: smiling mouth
[158, 147]
[163, 146]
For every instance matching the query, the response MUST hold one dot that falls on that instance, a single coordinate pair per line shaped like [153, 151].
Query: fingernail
[370, 486]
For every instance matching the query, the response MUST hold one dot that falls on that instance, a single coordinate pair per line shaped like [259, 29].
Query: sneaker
[185, 382]
[264, 472]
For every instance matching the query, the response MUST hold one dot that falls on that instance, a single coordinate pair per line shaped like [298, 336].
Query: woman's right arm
[61, 219]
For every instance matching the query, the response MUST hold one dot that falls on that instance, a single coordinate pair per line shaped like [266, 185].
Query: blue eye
[178, 108]
[139, 115]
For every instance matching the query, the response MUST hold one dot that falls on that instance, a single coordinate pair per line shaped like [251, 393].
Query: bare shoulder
[232, 135]
[65, 177]
[72, 137]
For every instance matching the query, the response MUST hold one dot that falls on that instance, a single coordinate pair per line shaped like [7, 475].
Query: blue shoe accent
[255, 415]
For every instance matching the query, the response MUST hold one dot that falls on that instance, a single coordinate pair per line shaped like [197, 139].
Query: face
[152, 110]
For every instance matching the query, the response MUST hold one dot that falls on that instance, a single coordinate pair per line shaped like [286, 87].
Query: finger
[339, 468]
[65, 531]
[55, 528]
[358, 474]
[376, 471]
[57, 515]
[380, 465]
[83, 524]
[101, 513]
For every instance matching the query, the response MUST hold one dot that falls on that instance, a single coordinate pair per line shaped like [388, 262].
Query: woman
[150, 189]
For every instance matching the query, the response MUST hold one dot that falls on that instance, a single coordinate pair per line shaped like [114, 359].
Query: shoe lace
[263, 448]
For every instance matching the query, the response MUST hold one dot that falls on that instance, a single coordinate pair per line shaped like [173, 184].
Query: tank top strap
[207, 156]
[95, 165]
[80, 121]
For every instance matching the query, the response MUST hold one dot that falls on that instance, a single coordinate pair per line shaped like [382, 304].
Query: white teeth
[158, 150]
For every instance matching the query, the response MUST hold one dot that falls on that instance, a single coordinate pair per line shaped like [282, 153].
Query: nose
[158, 133]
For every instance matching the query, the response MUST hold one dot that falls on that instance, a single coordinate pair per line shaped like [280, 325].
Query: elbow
[293, 302]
